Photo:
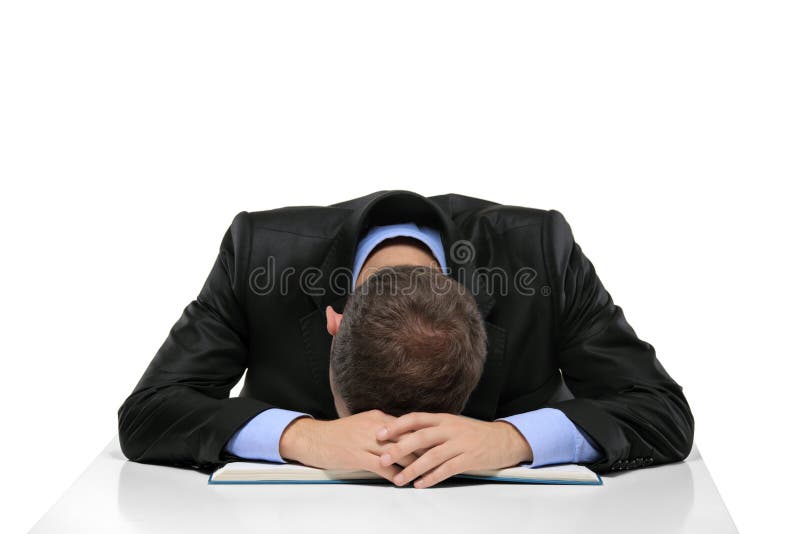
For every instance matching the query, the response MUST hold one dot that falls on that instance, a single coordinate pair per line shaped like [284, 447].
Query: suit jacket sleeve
[179, 413]
[625, 400]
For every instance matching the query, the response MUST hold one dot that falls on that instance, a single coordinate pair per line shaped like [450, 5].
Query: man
[302, 298]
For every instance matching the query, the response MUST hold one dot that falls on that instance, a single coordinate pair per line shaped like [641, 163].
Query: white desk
[115, 495]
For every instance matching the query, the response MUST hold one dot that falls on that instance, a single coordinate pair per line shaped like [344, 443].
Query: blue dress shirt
[553, 438]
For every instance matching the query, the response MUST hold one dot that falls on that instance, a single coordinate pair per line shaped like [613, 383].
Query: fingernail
[383, 432]
[386, 459]
[399, 479]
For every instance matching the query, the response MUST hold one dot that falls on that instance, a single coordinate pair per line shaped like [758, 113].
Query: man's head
[409, 339]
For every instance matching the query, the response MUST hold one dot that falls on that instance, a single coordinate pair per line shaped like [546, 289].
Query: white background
[132, 133]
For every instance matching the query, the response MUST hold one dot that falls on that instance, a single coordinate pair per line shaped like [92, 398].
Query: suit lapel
[482, 403]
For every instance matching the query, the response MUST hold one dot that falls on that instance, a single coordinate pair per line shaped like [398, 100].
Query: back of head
[411, 339]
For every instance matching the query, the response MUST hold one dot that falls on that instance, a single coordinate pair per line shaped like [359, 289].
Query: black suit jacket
[553, 319]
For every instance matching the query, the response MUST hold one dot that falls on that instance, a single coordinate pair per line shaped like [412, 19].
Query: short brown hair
[411, 339]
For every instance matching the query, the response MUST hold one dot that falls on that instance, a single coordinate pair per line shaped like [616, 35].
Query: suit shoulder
[456, 204]
[311, 221]
[506, 217]
[466, 208]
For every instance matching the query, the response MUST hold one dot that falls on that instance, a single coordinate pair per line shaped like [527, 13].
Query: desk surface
[115, 495]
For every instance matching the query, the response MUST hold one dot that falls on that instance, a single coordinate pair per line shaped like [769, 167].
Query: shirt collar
[377, 234]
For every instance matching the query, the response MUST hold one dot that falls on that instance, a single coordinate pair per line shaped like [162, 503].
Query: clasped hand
[422, 447]
[435, 446]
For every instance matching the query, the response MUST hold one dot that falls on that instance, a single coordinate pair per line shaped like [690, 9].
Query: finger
[406, 460]
[409, 458]
[407, 423]
[372, 463]
[428, 461]
[379, 447]
[451, 467]
[421, 439]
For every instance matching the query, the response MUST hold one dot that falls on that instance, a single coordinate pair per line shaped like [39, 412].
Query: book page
[254, 471]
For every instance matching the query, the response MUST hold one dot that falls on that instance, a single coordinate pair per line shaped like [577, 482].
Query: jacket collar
[387, 207]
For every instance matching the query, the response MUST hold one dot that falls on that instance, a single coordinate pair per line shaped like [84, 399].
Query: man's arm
[259, 438]
[180, 413]
[625, 400]
[626, 404]
[553, 438]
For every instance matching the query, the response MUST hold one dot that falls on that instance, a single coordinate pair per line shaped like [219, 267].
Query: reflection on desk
[115, 495]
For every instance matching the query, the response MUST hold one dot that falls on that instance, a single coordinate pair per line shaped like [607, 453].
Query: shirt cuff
[260, 437]
[553, 438]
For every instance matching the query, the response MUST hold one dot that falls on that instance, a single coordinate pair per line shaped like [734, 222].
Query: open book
[289, 473]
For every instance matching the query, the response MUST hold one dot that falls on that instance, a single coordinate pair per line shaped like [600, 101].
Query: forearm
[295, 441]
[261, 438]
[551, 438]
[638, 427]
[181, 426]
